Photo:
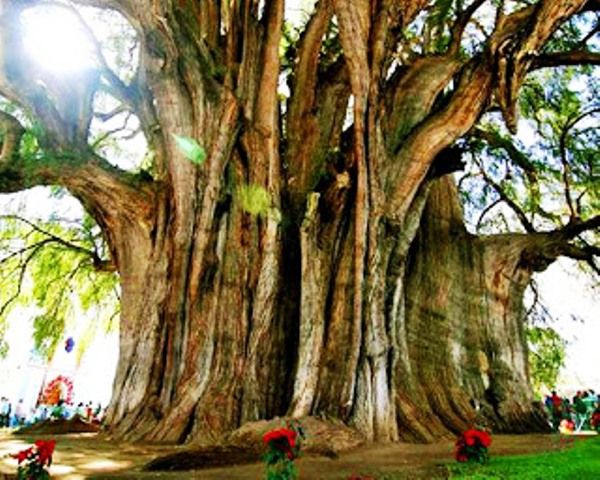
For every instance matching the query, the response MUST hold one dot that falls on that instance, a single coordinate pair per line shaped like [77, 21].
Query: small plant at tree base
[283, 447]
[472, 446]
[34, 460]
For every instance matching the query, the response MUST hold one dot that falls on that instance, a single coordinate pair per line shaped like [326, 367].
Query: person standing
[557, 407]
[5, 409]
[20, 413]
[580, 411]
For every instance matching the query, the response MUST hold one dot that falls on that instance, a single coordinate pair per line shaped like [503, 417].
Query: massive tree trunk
[357, 295]
[466, 318]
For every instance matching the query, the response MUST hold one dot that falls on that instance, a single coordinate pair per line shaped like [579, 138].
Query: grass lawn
[581, 461]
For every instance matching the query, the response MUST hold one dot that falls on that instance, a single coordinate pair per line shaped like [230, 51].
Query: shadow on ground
[92, 456]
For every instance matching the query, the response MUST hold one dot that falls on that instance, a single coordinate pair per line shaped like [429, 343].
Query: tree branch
[419, 150]
[98, 263]
[110, 190]
[461, 23]
[302, 125]
[587, 254]
[529, 228]
[576, 227]
[11, 132]
[515, 43]
[22, 269]
[575, 57]
[520, 159]
[124, 92]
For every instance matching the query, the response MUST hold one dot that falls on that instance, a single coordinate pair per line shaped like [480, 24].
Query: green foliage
[3, 344]
[191, 149]
[581, 460]
[283, 470]
[51, 265]
[546, 356]
[254, 199]
[550, 170]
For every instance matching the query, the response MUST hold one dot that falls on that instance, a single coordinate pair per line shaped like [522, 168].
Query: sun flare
[56, 41]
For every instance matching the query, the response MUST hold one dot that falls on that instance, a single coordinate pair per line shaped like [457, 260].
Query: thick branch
[576, 57]
[11, 132]
[577, 227]
[302, 126]
[89, 177]
[441, 130]
[587, 254]
[515, 43]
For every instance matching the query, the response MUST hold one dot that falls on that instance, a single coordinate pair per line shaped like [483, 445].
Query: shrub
[283, 447]
[34, 460]
[472, 446]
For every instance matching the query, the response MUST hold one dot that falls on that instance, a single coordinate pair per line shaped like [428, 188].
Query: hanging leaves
[191, 149]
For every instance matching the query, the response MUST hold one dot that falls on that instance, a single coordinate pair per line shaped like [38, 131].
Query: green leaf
[191, 149]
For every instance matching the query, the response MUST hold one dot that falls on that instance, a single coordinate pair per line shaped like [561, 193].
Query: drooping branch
[100, 264]
[564, 156]
[496, 141]
[22, 269]
[509, 201]
[519, 158]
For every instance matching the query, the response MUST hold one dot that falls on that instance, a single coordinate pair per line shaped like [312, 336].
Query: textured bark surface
[357, 295]
[465, 320]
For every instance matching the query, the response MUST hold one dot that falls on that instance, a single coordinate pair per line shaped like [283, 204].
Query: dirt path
[89, 456]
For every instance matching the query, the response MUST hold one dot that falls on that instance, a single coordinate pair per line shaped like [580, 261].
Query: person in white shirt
[20, 412]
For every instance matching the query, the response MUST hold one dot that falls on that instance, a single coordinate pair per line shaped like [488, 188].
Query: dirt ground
[90, 456]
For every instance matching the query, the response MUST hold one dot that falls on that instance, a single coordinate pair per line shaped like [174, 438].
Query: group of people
[582, 412]
[12, 415]
[17, 415]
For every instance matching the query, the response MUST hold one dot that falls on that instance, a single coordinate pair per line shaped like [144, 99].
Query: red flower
[282, 434]
[23, 455]
[282, 439]
[484, 438]
[473, 436]
[45, 450]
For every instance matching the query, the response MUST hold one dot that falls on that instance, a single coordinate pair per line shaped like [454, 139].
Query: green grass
[581, 462]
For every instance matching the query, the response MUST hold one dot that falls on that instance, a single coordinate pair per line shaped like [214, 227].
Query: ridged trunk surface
[271, 331]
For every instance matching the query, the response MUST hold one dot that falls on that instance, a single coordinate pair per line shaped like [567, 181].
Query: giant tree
[295, 245]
